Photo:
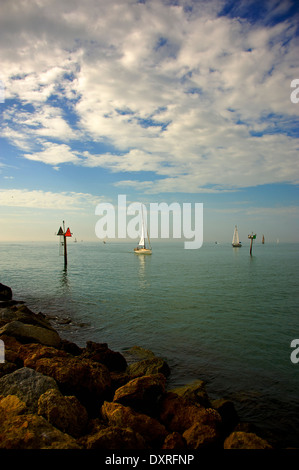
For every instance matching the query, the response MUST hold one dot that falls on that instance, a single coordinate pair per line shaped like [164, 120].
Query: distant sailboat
[141, 248]
[263, 240]
[236, 242]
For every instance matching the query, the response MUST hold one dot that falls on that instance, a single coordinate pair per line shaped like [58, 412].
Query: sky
[159, 100]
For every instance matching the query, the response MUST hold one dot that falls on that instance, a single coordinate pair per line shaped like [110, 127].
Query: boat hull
[142, 251]
[236, 245]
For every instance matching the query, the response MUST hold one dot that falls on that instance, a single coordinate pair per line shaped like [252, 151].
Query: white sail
[141, 248]
[142, 237]
[236, 240]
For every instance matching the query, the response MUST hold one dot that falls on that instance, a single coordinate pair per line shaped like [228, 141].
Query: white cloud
[174, 92]
[54, 154]
[46, 199]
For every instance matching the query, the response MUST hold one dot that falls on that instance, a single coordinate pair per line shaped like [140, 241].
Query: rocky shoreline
[57, 395]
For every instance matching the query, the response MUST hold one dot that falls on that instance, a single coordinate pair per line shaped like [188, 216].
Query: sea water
[216, 313]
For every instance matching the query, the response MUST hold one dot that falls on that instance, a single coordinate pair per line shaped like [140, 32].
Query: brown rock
[194, 393]
[31, 353]
[5, 292]
[26, 333]
[23, 314]
[119, 379]
[70, 347]
[27, 384]
[64, 412]
[137, 353]
[100, 352]
[7, 368]
[228, 414]
[141, 393]
[123, 416]
[174, 441]
[245, 440]
[144, 362]
[11, 350]
[10, 406]
[200, 436]
[88, 380]
[30, 431]
[114, 437]
[177, 414]
[155, 365]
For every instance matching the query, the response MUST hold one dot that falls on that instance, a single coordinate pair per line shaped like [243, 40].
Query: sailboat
[142, 248]
[236, 242]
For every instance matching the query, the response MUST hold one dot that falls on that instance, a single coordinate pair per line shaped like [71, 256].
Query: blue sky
[163, 101]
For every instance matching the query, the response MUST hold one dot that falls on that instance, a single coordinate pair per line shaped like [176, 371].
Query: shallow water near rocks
[214, 314]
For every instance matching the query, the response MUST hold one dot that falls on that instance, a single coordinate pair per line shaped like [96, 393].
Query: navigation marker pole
[251, 237]
[63, 234]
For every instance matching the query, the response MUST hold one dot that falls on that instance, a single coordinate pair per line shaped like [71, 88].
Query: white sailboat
[236, 242]
[142, 248]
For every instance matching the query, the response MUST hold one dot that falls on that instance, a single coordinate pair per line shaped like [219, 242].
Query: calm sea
[215, 313]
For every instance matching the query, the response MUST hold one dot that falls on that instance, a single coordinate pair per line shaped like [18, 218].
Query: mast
[142, 237]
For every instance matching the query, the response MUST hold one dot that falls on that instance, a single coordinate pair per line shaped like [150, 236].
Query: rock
[123, 416]
[70, 347]
[23, 314]
[245, 426]
[89, 381]
[29, 431]
[178, 415]
[202, 436]
[10, 406]
[141, 393]
[118, 379]
[100, 352]
[194, 393]
[174, 441]
[7, 314]
[64, 412]
[27, 384]
[155, 365]
[9, 303]
[144, 362]
[245, 440]
[31, 353]
[137, 353]
[12, 359]
[5, 292]
[228, 414]
[114, 437]
[26, 333]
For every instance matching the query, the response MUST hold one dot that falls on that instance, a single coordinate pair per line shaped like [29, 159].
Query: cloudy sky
[160, 100]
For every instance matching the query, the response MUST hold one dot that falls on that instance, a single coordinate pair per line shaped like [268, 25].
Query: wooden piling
[251, 237]
[65, 248]
[64, 233]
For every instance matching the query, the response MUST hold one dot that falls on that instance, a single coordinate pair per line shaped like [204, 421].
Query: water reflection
[64, 280]
[142, 273]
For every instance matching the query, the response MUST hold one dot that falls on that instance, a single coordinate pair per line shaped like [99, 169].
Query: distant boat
[236, 242]
[75, 241]
[142, 248]
[263, 240]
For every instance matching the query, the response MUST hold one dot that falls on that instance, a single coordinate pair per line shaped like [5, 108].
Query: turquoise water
[215, 313]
